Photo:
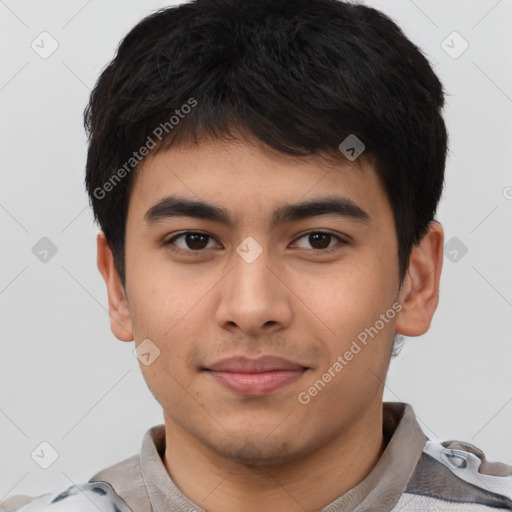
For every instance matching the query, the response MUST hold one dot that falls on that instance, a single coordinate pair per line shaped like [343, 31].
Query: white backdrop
[66, 380]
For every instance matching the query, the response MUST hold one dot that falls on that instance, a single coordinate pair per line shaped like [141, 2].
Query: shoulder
[455, 475]
[84, 497]
[117, 488]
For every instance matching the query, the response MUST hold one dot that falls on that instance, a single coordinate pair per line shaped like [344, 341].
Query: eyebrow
[174, 206]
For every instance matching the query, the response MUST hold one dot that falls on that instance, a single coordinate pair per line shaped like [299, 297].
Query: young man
[266, 175]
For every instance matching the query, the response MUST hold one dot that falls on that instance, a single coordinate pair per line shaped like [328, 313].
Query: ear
[120, 318]
[419, 295]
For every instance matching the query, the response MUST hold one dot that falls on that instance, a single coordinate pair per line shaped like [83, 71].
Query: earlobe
[120, 318]
[419, 295]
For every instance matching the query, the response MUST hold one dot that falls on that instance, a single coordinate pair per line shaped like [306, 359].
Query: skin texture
[229, 452]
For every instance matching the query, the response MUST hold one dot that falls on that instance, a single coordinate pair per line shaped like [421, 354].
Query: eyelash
[201, 251]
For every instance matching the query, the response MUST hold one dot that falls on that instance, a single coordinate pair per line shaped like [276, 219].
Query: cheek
[346, 312]
[349, 298]
[159, 314]
[161, 296]
[167, 376]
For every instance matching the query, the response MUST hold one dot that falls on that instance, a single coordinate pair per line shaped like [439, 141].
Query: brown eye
[320, 240]
[190, 241]
[196, 240]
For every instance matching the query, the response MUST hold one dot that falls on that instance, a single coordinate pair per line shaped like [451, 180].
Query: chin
[257, 455]
[256, 448]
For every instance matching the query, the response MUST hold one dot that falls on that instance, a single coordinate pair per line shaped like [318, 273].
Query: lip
[255, 377]
[266, 363]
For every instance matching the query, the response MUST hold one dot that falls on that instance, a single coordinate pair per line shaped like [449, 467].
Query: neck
[310, 483]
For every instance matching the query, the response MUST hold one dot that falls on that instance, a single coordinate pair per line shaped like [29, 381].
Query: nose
[254, 297]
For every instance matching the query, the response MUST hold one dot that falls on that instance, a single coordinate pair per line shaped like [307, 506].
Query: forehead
[249, 178]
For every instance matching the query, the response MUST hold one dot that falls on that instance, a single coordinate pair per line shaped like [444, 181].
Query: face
[307, 286]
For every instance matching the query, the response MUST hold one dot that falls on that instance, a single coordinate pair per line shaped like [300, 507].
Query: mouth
[255, 377]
